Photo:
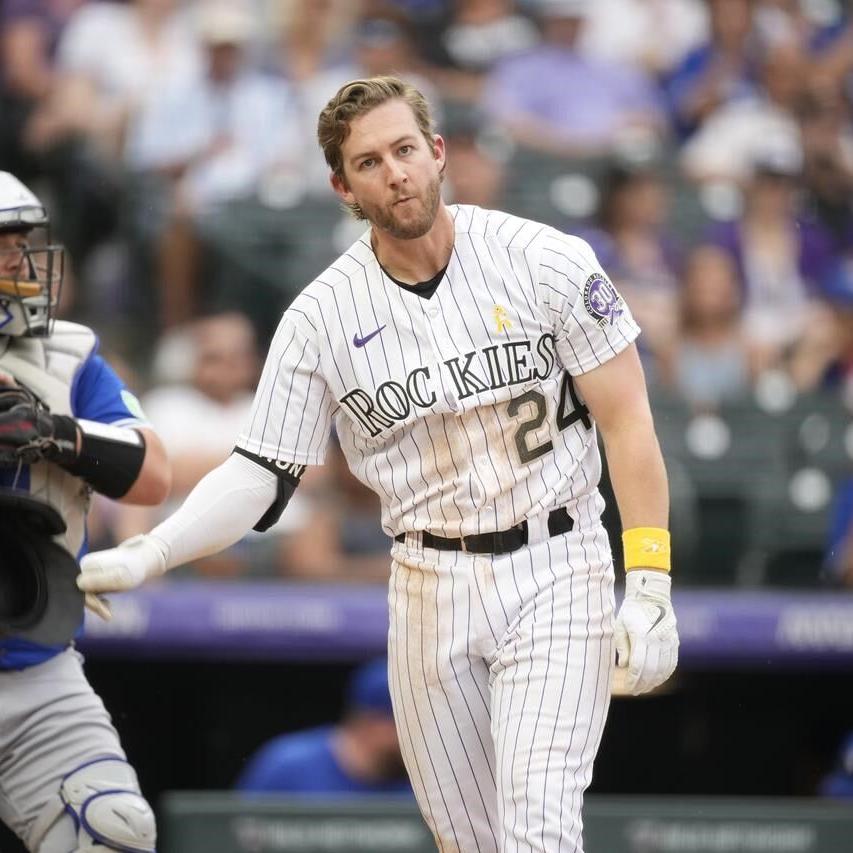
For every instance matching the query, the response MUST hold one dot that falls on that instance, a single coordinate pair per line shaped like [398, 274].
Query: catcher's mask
[39, 599]
[31, 265]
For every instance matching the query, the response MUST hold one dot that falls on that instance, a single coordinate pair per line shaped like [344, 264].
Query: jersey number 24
[565, 417]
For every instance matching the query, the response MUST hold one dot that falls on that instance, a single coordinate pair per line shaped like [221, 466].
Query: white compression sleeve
[219, 511]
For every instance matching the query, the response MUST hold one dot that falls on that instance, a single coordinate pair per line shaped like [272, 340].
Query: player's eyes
[406, 149]
[367, 164]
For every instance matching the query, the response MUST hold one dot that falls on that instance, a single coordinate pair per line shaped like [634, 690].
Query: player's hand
[121, 568]
[646, 633]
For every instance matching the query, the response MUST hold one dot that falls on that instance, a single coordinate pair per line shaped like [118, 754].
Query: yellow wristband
[646, 548]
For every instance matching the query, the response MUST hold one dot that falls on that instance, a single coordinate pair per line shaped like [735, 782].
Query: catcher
[67, 426]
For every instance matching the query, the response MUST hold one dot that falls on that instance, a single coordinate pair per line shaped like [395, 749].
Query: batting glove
[118, 569]
[646, 633]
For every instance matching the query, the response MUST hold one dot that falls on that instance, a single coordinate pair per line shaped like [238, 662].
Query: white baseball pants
[500, 673]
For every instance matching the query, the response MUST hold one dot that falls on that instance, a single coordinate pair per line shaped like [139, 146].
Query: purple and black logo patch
[601, 300]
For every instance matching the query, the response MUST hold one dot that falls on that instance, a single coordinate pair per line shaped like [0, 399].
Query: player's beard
[387, 219]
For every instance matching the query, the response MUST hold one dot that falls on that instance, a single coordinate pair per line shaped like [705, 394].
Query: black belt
[499, 542]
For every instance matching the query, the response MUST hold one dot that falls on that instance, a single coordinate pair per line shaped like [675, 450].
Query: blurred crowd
[703, 147]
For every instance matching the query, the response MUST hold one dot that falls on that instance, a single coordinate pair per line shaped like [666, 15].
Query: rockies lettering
[488, 369]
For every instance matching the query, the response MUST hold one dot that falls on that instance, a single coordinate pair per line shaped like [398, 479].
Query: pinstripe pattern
[422, 408]
[458, 412]
[500, 676]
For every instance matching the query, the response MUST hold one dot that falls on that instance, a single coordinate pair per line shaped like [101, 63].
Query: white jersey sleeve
[592, 323]
[292, 412]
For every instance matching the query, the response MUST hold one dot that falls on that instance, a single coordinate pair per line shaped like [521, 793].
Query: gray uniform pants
[51, 722]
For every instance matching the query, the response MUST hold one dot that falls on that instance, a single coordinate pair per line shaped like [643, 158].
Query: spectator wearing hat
[359, 755]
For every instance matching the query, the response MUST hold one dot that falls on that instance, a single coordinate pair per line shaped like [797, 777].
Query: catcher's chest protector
[48, 366]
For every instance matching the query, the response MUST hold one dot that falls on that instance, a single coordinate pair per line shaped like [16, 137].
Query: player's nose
[396, 173]
[10, 261]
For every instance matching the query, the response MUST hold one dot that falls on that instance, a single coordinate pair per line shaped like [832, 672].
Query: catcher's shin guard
[109, 812]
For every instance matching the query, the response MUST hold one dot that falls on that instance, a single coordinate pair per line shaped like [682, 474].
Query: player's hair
[356, 98]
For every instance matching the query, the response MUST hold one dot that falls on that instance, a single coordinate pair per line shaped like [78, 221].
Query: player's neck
[414, 261]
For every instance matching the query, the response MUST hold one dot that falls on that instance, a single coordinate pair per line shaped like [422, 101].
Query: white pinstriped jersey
[457, 410]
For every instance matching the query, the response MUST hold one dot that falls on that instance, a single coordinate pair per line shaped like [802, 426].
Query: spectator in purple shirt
[553, 98]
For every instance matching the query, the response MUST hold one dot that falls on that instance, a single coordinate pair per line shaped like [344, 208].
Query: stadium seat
[559, 191]
[730, 459]
[789, 522]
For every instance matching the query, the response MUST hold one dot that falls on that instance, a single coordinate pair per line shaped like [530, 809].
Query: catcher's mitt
[27, 431]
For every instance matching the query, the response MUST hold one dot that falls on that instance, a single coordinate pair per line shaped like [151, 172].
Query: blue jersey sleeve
[273, 768]
[99, 395]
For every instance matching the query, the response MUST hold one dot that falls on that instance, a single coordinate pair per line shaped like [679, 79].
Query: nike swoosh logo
[657, 621]
[360, 342]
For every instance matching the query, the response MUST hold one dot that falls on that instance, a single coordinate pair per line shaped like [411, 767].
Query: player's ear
[438, 150]
[340, 186]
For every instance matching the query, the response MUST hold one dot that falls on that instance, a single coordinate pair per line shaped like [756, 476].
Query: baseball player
[67, 426]
[467, 359]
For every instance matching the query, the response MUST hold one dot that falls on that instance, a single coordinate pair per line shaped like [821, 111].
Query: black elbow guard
[110, 458]
[283, 494]
[287, 475]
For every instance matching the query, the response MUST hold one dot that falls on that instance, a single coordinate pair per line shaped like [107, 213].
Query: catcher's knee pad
[109, 812]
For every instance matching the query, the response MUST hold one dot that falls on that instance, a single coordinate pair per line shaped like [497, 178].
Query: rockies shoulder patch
[601, 300]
